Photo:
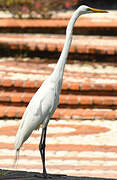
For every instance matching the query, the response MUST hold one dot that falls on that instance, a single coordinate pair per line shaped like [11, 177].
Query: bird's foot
[41, 175]
[44, 174]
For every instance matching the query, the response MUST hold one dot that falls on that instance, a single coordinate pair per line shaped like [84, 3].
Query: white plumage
[45, 101]
[40, 109]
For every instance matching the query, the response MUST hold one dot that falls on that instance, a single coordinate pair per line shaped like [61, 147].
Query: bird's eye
[88, 10]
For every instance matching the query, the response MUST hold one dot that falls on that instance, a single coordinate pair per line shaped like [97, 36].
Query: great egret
[45, 101]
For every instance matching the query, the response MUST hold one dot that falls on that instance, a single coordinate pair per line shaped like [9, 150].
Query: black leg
[42, 149]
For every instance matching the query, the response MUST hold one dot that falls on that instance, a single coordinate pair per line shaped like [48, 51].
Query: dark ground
[23, 175]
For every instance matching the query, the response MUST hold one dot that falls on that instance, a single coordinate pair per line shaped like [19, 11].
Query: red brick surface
[87, 22]
[78, 100]
[103, 21]
[64, 113]
[80, 44]
[76, 147]
[64, 99]
[78, 157]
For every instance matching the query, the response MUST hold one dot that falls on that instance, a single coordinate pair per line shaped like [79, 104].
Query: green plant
[2, 173]
[30, 7]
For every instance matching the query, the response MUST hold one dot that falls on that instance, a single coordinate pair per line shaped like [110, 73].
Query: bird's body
[41, 107]
[45, 101]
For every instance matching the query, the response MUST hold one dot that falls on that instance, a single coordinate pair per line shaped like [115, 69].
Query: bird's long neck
[59, 69]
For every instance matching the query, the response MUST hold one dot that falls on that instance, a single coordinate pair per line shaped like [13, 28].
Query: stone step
[102, 20]
[95, 45]
[66, 100]
[86, 93]
[67, 87]
[79, 78]
[10, 111]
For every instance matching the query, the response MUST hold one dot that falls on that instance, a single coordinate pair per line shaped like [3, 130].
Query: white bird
[45, 101]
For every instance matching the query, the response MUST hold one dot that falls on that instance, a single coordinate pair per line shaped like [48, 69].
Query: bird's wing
[39, 110]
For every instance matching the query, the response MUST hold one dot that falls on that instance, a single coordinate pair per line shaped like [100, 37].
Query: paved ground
[78, 148]
[74, 147]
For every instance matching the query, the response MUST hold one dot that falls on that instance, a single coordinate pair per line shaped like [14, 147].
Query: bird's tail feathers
[16, 157]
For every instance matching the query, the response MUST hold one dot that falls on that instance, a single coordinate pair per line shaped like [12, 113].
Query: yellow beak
[98, 10]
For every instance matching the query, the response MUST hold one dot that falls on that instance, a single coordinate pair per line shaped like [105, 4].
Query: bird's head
[85, 10]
